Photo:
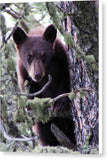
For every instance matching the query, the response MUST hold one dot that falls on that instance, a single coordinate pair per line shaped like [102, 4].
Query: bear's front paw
[61, 105]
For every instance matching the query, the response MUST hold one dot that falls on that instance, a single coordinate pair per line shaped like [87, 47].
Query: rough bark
[83, 25]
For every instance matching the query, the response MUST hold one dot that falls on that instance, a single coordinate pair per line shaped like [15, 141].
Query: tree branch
[61, 137]
[20, 17]
[13, 14]
[67, 94]
[42, 108]
[15, 139]
[36, 93]
[3, 80]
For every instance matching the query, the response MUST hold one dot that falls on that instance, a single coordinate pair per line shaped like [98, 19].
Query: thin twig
[13, 14]
[10, 34]
[3, 80]
[38, 92]
[19, 14]
[15, 139]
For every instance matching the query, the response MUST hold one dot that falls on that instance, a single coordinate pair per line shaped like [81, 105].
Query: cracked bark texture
[83, 25]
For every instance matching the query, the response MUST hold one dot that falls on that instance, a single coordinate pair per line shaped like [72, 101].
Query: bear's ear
[19, 36]
[50, 33]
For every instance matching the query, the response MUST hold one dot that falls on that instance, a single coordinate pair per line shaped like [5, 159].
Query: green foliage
[82, 94]
[15, 147]
[11, 105]
[40, 109]
[55, 15]
[3, 26]
[20, 115]
[22, 101]
[68, 38]
[3, 108]
[2, 146]
[10, 65]
[90, 59]
[56, 150]
[72, 96]
[95, 67]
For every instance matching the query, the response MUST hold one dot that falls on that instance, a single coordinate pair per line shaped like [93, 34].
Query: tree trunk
[80, 19]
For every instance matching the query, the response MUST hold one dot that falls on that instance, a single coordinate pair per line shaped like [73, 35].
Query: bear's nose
[37, 77]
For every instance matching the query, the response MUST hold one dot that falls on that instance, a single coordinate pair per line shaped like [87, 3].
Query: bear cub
[39, 54]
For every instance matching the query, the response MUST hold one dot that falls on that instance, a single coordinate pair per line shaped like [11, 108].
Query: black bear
[38, 54]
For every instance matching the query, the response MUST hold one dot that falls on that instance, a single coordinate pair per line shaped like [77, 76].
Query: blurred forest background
[77, 23]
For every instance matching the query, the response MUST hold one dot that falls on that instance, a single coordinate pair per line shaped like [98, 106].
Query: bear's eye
[43, 57]
[29, 58]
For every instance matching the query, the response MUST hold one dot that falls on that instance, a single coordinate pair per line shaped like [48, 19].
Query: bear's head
[35, 52]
